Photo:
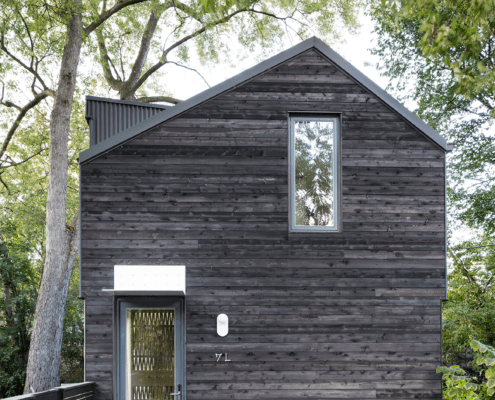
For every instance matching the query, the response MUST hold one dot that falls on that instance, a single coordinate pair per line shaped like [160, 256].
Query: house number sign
[219, 356]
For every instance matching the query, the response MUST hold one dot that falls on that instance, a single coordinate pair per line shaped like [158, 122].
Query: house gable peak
[160, 116]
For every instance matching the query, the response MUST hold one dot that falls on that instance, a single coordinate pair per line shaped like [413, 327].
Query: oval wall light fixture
[222, 325]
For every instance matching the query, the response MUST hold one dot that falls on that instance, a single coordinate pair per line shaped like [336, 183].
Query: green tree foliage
[460, 35]
[458, 385]
[149, 36]
[20, 272]
[72, 366]
[16, 308]
[22, 236]
[470, 312]
[440, 55]
[484, 360]
[124, 44]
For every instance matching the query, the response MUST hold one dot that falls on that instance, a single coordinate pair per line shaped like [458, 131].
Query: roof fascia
[264, 66]
[381, 94]
[130, 102]
[186, 105]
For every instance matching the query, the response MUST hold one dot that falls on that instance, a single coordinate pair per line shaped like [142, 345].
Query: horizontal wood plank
[352, 314]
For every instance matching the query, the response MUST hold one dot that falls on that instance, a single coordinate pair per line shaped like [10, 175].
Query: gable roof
[312, 43]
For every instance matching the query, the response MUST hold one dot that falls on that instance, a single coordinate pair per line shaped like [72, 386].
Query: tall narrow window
[313, 185]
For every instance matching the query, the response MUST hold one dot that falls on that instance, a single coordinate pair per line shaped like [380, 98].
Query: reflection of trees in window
[314, 175]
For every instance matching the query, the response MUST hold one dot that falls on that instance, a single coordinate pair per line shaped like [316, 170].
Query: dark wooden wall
[353, 315]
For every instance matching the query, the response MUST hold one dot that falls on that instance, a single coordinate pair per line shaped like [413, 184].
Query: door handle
[178, 392]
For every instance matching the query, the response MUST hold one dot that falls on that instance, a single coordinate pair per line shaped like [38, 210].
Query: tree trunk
[45, 351]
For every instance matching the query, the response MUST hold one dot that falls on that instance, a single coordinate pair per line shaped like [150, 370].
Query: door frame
[120, 309]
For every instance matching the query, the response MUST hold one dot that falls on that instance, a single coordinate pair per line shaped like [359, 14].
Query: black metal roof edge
[202, 97]
[284, 56]
[130, 102]
[380, 93]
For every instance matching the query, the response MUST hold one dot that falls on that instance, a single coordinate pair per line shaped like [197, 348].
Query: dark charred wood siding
[354, 314]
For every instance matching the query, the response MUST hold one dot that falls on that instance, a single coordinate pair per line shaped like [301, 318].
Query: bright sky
[187, 83]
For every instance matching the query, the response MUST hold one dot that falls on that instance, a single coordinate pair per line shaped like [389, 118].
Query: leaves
[141, 41]
[470, 311]
[457, 384]
[18, 288]
[130, 41]
[439, 55]
[484, 356]
[22, 226]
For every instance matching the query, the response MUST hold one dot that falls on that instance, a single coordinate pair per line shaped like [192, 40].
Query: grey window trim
[121, 306]
[336, 118]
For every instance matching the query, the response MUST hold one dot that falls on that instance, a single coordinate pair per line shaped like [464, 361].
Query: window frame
[337, 119]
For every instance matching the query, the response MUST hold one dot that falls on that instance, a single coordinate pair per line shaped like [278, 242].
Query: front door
[150, 358]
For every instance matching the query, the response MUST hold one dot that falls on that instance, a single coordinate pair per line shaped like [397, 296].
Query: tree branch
[163, 59]
[277, 17]
[15, 164]
[468, 275]
[121, 4]
[4, 184]
[33, 103]
[154, 99]
[7, 103]
[18, 61]
[10, 104]
[27, 30]
[122, 69]
[144, 48]
[188, 10]
[477, 247]
[449, 100]
[189, 68]
[114, 83]
[483, 101]
[488, 283]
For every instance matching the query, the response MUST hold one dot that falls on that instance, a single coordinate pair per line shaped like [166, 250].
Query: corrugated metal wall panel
[108, 117]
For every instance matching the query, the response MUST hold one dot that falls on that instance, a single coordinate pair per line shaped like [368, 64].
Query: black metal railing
[71, 391]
